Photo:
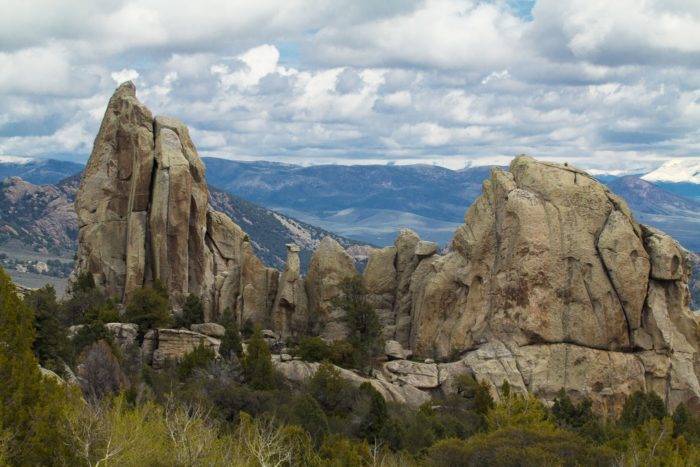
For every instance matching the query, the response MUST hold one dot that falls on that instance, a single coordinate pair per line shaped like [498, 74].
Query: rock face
[290, 314]
[330, 265]
[298, 371]
[549, 284]
[161, 346]
[144, 215]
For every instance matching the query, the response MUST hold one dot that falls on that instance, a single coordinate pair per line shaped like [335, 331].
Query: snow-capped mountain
[683, 170]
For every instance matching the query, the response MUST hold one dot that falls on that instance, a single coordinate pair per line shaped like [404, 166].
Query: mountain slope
[676, 215]
[37, 171]
[684, 170]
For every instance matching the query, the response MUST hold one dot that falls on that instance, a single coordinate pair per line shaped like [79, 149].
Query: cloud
[125, 74]
[596, 83]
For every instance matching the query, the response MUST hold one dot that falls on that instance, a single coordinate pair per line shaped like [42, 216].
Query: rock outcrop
[290, 314]
[330, 265]
[549, 284]
[161, 346]
[144, 215]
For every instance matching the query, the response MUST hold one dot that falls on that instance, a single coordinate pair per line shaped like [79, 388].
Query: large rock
[290, 314]
[124, 334]
[418, 375]
[170, 345]
[114, 194]
[144, 215]
[551, 284]
[299, 372]
[406, 262]
[330, 265]
[379, 278]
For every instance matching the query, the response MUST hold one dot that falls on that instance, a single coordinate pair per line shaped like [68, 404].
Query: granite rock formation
[144, 215]
[549, 284]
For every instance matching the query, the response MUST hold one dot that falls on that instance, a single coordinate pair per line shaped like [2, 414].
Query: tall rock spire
[143, 213]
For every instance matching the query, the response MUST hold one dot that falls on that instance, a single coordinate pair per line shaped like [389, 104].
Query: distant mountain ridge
[374, 202]
[42, 217]
[370, 204]
[38, 171]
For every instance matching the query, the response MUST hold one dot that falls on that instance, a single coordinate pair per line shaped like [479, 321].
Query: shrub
[374, 421]
[362, 321]
[313, 349]
[100, 372]
[199, 357]
[148, 307]
[257, 364]
[307, 413]
[570, 415]
[192, 312]
[231, 344]
[334, 394]
[640, 407]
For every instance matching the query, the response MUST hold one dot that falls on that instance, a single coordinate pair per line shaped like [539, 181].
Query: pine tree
[192, 312]
[149, 308]
[375, 420]
[51, 346]
[231, 342]
[257, 365]
[362, 321]
[32, 407]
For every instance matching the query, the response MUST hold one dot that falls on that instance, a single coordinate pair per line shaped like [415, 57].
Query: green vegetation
[231, 344]
[149, 308]
[257, 364]
[33, 408]
[362, 322]
[192, 312]
[237, 410]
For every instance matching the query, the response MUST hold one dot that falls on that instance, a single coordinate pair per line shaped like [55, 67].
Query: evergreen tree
[51, 346]
[362, 321]
[375, 420]
[231, 344]
[641, 407]
[192, 312]
[257, 364]
[569, 415]
[149, 308]
[32, 407]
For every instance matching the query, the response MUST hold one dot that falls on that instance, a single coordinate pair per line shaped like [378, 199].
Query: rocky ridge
[550, 283]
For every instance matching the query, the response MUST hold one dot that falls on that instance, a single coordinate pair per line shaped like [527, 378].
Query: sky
[607, 85]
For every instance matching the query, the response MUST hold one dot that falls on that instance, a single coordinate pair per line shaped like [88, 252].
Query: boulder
[299, 372]
[418, 375]
[330, 265]
[425, 248]
[394, 350]
[209, 329]
[124, 334]
[170, 345]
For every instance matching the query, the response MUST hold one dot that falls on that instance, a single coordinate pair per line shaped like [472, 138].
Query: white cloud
[599, 84]
[125, 74]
